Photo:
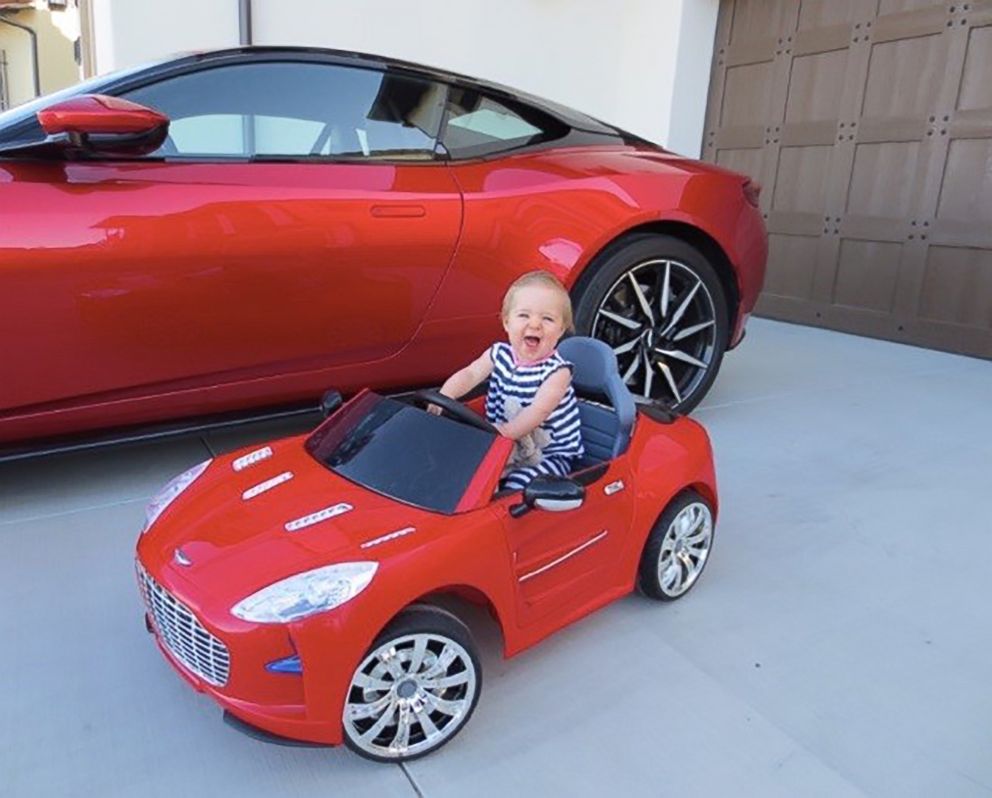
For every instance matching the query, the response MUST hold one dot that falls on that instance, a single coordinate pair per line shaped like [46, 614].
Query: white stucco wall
[129, 32]
[641, 64]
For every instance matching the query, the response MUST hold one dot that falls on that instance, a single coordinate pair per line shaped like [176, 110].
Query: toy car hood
[247, 528]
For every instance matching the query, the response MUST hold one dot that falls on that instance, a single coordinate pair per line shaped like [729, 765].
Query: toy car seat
[605, 429]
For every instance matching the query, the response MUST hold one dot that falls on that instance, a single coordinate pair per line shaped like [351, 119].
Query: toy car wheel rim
[660, 320]
[410, 695]
[684, 549]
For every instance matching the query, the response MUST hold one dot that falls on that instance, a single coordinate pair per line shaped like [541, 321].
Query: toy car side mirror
[329, 402]
[556, 494]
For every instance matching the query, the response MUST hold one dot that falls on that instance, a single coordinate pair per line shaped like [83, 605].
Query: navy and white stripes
[523, 381]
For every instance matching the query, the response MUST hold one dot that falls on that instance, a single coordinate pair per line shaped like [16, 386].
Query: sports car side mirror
[556, 494]
[95, 124]
[329, 402]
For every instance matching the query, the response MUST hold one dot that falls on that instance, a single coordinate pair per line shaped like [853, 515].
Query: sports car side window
[279, 110]
[479, 125]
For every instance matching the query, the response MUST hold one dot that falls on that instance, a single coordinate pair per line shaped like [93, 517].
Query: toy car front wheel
[415, 689]
[677, 548]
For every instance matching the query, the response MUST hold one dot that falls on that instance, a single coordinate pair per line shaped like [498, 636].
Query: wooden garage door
[869, 125]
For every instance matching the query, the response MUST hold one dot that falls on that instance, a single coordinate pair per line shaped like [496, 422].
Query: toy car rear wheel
[660, 306]
[677, 548]
[415, 688]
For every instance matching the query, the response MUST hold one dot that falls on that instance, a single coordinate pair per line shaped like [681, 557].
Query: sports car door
[295, 219]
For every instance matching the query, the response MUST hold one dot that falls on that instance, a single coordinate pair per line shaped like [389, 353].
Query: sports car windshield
[401, 451]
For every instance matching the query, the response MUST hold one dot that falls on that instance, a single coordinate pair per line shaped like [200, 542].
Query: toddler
[526, 372]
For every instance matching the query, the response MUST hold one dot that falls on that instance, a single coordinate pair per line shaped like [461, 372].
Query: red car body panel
[238, 547]
[136, 291]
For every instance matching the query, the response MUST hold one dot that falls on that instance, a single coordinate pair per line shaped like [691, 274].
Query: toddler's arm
[464, 380]
[547, 398]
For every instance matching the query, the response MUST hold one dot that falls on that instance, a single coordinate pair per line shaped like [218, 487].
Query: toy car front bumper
[281, 719]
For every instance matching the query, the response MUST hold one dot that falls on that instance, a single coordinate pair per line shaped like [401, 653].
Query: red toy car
[297, 583]
[240, 229]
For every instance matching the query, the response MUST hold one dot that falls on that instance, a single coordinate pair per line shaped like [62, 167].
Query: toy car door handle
[398, 211]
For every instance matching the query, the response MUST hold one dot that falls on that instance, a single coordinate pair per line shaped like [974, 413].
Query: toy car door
[564, 560]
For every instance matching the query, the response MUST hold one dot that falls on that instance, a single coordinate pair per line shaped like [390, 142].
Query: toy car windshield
[401, 451]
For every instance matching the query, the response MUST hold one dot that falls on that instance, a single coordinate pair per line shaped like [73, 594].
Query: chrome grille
[183, 634]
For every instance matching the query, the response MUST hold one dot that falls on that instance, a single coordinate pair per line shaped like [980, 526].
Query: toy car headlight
[172, 489]
[304, 594]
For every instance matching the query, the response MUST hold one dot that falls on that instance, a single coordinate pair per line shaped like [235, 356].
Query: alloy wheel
[684, 549]
[661, 322]
[409, 696]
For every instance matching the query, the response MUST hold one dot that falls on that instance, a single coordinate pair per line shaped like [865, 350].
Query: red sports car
[241, 228]
[300, 584]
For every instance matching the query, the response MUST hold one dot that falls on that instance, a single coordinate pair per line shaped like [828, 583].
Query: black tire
[390, 661]
[658, 365]
[673, 559]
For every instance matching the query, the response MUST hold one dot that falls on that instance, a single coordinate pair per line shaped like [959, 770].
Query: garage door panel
[966, 194]
[971, 124]
[867, 272]
[750, 53]
[822, 40]
[976, 82]
[740, 138]
[809, 133]
[871, 131]
[905, 77]
[814, 91]
[883, 179]
[793, 223]
[801, 183]
[887, 7]
[957, 287]
[795, 259]
[824, 15]
[754, 19]
[872, 134]
[747, 95]
[901, 20]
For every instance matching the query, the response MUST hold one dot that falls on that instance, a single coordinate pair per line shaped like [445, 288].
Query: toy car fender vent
[368, 544]
[269, 484]
[317, 517]
[252, 458]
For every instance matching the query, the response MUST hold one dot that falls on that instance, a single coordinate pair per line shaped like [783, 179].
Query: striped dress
[509, 379]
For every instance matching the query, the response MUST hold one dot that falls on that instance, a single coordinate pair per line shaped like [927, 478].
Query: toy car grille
[183, 634]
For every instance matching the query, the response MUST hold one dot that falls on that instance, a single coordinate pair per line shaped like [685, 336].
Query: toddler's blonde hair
[545, 280]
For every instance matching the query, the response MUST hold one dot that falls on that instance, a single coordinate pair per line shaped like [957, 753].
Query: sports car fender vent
[317, 517]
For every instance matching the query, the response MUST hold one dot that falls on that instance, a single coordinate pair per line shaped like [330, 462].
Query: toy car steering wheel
[455, 409]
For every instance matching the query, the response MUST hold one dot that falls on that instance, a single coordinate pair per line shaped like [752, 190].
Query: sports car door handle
[394, 211]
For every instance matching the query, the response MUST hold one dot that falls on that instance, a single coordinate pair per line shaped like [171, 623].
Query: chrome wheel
[410, 695]
[684, 549]
[660, 319]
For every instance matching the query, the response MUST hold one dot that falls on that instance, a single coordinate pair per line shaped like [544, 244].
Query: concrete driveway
[839, 643]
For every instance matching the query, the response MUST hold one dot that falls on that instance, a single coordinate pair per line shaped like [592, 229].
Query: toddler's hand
[434, 410]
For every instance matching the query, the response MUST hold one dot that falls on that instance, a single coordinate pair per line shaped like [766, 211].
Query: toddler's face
[535, 323]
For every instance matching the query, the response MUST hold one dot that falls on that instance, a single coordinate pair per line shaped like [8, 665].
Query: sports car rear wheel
[415, 689]
[659, 304]
[677, 548]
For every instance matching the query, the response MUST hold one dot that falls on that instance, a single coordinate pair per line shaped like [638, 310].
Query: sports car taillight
[752, 192]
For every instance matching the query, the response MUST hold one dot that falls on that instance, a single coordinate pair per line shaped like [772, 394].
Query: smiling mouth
[531, 340]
